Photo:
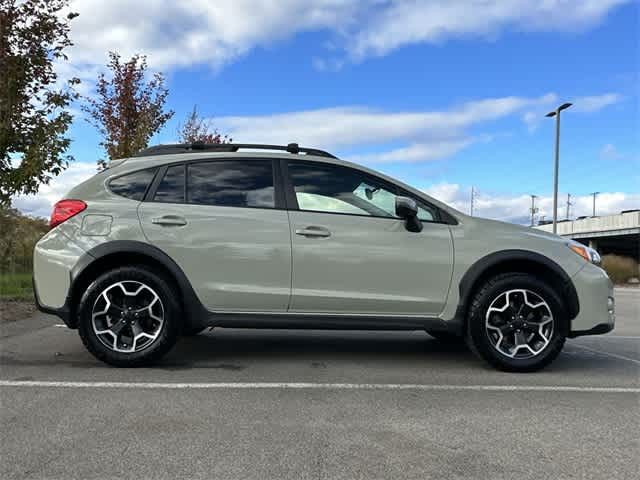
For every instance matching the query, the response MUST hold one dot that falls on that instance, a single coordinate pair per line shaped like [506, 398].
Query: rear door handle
[170, 221]
[313, 231]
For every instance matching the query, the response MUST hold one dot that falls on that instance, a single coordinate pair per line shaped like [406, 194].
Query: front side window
[231, 183]
[337, 189]
[133, 185]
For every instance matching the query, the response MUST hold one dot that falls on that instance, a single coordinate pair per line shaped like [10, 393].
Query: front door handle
[170, 221]
[313, 231]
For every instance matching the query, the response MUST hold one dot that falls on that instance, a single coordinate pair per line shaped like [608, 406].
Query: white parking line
[316, 386]
[607, 354]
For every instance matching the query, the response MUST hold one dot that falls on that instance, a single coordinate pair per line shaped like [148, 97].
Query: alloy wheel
[128, 316]
[519, 323]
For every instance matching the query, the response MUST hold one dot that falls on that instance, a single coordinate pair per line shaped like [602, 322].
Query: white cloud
[595, 103]
[188, 32]
[609, 152]
[515, 208]
[416, 152]
[588, 104]
[423, 135]
[410, 22]
[349, 126]
[39, 205]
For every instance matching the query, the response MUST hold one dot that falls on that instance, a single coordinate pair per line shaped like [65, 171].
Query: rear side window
[133, 185]
[231, 183]
[171, 188]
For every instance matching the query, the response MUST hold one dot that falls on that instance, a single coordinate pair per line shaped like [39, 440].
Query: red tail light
[64, 210]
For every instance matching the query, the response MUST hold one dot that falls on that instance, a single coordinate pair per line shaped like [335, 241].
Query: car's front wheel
[128, 317]
[517, 323]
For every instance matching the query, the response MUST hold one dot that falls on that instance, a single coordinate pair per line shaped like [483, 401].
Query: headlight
[588, 253]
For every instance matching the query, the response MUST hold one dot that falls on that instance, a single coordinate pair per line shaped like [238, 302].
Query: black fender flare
[480, 267]
[195, 312]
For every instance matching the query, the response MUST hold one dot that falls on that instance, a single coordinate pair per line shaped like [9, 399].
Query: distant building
[619, 234]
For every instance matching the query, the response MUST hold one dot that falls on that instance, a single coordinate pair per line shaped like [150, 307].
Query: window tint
[231, 183]
[133, 185]
[337, 189]
[171, 188]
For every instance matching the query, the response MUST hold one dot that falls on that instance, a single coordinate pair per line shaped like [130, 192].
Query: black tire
[477, 337]
[193, 331]
[167, 335]
[446, 337]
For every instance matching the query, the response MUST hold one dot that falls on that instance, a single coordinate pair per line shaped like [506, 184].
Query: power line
[569, 204]
[474, 194]
[533, 210]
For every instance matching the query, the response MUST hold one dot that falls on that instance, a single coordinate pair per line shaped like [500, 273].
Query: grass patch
[16, 286]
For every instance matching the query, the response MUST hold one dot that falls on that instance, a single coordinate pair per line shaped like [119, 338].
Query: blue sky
[443, 95]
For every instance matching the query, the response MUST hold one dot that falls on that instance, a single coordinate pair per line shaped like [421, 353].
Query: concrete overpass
[619, 234]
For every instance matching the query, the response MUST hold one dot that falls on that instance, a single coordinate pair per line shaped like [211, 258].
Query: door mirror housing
[407, 209]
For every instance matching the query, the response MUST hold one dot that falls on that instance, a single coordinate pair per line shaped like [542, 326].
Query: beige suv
[185, 237]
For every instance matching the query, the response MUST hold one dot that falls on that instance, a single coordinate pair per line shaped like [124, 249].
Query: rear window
[133, 185]
[171, 188]
[231, 183]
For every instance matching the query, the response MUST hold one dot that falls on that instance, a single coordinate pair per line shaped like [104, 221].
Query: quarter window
[337, 189]
[231, 183]
[171, 188]
[133, 185]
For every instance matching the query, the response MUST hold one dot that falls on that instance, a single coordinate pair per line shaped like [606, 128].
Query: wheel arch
[128, 252]
[517, 261]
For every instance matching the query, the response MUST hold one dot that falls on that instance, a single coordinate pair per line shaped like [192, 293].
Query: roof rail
[226, 147]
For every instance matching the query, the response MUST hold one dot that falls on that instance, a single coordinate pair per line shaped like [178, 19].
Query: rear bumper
[61, 312]
[54, 257]
[597, 303]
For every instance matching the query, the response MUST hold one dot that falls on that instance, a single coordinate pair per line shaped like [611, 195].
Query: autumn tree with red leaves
[129, 108]
[198, 129]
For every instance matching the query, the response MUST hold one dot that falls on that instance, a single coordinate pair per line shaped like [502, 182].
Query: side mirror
[407, 209]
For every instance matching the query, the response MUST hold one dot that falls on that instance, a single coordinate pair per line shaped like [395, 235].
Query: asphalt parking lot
[245, 404]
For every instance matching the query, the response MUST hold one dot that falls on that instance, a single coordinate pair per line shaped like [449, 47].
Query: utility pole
[556, 113]
[533, 208]
[473, 198]
[594, 194]
[569, 203]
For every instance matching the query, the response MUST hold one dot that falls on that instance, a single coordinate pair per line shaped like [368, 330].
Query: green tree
[198, 129]
[129, 108]
[33, 102]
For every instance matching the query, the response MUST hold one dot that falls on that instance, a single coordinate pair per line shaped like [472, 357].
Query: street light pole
[556, 113]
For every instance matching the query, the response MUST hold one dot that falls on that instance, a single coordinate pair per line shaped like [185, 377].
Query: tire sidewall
[170, 329]
[479, 336]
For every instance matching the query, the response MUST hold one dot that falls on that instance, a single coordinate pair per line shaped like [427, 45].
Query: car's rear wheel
[128, 317]
[517, 323]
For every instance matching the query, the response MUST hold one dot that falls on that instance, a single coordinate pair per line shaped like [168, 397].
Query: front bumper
[596, 300]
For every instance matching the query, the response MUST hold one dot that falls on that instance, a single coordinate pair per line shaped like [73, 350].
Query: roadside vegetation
[18, 235]
[620, 269]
